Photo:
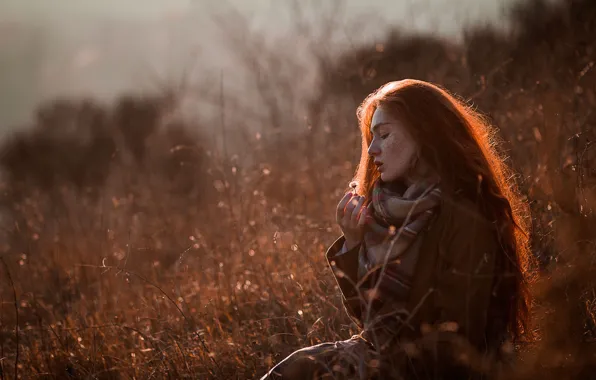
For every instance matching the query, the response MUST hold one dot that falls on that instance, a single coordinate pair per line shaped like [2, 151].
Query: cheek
[395, 150]
[398, 153]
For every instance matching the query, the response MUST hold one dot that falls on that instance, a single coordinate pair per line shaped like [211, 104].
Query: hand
[351, 217]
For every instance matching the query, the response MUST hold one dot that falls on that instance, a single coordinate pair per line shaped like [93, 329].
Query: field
[134, 245]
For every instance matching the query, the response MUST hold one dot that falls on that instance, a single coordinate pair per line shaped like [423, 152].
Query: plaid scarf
[399, 213]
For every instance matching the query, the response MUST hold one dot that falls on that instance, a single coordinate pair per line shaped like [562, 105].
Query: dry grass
[134, 250]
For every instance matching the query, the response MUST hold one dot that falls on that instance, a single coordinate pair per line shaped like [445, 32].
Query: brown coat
[454, 278]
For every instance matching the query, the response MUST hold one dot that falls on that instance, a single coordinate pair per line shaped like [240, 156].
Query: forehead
[382, 117]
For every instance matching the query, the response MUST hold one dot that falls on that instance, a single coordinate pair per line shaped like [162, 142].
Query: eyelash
[384, 136]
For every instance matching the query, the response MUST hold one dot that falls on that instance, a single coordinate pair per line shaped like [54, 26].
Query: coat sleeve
[379, 295]
[345, 269]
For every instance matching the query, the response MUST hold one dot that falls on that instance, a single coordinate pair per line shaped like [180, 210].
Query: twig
[16, 309]
[226, 168]
[127, 252]
[183, 356]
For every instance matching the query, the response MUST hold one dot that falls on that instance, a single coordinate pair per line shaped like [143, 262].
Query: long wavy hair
[461, 146]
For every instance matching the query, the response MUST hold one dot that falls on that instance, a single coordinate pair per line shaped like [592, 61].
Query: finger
[357, 209]
[368, 214]
[352, 204]
[363, 217]
[339, 213]
[350, 208]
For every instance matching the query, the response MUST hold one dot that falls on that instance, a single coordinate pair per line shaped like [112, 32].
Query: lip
[379, 165]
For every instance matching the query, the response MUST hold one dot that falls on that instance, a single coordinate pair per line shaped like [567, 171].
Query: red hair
[460, 145]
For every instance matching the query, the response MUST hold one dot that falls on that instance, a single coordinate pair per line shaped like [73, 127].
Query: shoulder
[464, 212]
[469, 241]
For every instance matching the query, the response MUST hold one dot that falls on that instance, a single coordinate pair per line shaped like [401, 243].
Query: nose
[373, 149]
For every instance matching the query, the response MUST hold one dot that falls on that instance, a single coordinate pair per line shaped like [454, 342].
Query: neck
[421, 173]
[410, 180]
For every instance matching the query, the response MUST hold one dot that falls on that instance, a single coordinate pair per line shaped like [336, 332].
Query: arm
[390, 296]
[344, 264]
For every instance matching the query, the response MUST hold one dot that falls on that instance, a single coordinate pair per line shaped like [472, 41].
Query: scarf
[399, 214]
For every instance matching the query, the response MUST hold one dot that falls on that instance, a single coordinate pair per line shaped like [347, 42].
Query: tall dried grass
[133, 248]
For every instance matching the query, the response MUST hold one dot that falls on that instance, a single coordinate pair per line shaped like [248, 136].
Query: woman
[433, 263]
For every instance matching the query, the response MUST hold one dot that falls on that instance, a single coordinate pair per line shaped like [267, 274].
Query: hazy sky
[444, 16]
[101, 48]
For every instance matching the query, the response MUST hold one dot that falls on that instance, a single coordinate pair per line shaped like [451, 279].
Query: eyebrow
[372, 129]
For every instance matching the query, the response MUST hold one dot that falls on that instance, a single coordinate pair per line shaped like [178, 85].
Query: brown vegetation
[133, 250]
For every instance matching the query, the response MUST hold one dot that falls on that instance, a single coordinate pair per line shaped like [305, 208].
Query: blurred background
[169, 172]
[104, 48]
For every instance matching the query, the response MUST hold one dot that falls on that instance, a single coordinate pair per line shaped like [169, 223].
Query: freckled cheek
[395, 154]
[391, 147]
